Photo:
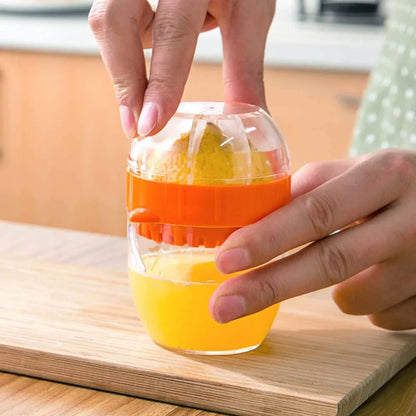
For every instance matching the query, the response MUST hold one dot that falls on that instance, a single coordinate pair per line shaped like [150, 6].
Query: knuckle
[269, 292]
[173, 28]
[122, 92]
[321, 212]
[272, 241]
[163, 84]
[106, 15]
[98, 16]
[158, 83]
[334, 262]
[398, 165]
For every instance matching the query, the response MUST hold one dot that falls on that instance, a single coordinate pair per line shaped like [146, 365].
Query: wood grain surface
[397, 398]
[78, 325]
[21, 396]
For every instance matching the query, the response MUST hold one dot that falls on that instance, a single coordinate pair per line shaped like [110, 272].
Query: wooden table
[21, 396]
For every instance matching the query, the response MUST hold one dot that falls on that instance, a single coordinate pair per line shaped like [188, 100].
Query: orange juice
[172, 300]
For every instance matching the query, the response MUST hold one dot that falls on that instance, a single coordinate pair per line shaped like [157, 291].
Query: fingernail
[228, 308]
[147, 119]
[233, 260]
[128, 123]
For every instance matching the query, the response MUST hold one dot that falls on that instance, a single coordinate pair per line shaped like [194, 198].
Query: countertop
[291, 43]
[20, 395]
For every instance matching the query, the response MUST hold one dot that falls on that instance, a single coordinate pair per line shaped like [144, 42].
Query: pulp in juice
[172, 300]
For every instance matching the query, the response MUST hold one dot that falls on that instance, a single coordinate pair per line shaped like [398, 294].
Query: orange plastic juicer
[214, 168]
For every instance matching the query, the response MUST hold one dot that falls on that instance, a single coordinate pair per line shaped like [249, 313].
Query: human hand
[124, 27]
[372, 263]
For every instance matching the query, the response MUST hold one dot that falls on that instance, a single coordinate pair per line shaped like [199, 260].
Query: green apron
[387, 117]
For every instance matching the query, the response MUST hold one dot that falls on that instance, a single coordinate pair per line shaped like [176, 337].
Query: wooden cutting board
[78, 325]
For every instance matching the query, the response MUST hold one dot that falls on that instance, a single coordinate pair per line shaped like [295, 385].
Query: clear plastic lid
[213, 143]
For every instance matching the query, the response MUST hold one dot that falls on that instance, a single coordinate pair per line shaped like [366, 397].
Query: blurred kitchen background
[62, 150]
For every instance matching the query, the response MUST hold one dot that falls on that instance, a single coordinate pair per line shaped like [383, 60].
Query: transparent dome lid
[213, 143]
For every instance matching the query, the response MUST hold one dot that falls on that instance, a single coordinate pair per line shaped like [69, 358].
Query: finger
[244, 26]
[314, 215]
[379, 287]
[117, 25]
[314, 174]
[321, 264]
[398, 317]
[210, 23]
[175, 32]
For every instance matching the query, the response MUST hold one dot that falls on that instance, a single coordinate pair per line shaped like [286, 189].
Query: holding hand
[124, 27]
[372, 264]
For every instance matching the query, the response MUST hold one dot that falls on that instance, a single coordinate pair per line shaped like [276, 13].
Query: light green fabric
[387, 117]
